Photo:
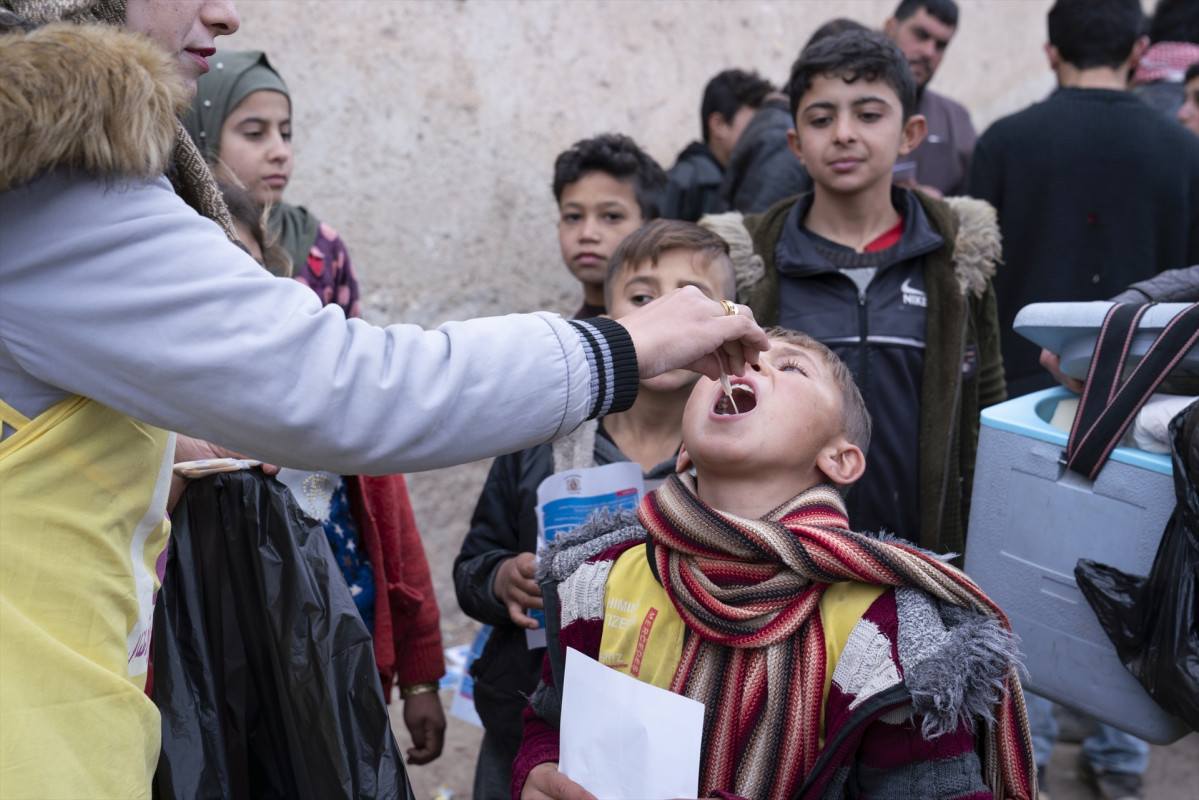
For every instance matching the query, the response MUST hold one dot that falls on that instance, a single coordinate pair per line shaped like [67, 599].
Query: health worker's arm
[125, 295]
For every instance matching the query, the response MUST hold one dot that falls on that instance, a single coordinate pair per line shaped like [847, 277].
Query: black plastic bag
[263, 671]
[1154, 621]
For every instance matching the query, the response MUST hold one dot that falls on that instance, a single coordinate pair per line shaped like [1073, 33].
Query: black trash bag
[1154, 621]
[263, 670]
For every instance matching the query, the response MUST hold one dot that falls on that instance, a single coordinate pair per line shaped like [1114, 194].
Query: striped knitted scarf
[749, 589]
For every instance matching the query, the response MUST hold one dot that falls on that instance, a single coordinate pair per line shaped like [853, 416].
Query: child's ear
[1055, 58]
[842, 462]
[717, 124]
[793, 144]
[683, 462]
[913, 134]
[1138, 50]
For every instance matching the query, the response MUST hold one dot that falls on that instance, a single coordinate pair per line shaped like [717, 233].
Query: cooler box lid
[1072, 329]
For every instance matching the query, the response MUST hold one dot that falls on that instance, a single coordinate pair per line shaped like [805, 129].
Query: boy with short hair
[830, 663]
[493, 573]
[606, 188]
[729, 103]
[898, 284]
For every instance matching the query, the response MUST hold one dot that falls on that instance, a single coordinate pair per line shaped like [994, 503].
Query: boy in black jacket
[896, 283]
[493, 574]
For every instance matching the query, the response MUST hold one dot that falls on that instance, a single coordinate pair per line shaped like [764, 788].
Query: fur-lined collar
[91, 98]
[979, 244]
[601, 531]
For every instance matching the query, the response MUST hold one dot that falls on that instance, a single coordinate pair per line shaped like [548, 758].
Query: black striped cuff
[613, 361]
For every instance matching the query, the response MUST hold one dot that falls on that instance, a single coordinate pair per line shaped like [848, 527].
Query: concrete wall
[425, 132]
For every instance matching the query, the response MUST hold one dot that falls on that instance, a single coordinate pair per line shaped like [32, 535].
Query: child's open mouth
[743, 401]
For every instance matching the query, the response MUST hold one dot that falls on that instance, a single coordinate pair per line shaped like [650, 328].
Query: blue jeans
[1107, 749]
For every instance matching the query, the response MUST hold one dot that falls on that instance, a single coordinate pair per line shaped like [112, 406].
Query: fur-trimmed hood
[961, 331]
[91, 98]
[979, 245]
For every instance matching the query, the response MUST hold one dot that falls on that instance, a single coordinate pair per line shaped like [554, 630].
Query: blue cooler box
[1030, 522]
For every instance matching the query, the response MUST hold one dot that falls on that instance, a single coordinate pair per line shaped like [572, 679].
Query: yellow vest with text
[82, 528]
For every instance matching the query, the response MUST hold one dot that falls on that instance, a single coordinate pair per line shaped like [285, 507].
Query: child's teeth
[728, 389]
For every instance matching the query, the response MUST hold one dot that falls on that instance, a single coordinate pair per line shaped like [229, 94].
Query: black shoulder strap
[1107, 407]
[1107, 365]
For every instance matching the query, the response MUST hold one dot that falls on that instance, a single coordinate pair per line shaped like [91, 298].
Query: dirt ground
[1173, 772]
[451, 775]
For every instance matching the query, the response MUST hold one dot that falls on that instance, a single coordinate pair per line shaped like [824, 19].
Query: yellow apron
[82, 527]
[643, 633]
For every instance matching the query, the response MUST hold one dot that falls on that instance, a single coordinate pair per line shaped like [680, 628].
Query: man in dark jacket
[730, 100]
[922, 30]
[1088, 203]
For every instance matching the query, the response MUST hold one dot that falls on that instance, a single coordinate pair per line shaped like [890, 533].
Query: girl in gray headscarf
[241, 120]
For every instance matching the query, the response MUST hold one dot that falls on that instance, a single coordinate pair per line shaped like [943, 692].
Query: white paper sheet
[566, 499]
[622, 739]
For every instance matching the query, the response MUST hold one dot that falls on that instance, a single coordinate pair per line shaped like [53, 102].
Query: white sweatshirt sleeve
[125, 295]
